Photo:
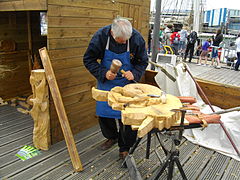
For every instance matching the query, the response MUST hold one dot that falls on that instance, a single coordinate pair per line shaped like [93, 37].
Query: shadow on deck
[16, 131]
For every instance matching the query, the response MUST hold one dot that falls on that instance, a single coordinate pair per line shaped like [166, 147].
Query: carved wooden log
[142, 106]
[40, 110]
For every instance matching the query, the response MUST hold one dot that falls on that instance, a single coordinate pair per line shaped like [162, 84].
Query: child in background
[175, 39]
[204, 53]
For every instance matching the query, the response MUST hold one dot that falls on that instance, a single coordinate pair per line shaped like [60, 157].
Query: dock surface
[16, 131]
[226, 75]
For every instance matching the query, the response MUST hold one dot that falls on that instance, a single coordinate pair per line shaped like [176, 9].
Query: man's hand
[110, 75]
[128, 75]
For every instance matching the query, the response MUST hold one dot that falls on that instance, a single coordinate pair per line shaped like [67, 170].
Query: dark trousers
[238, 61]
[175, 48]
[149, 46]
[126, 136]
[190, 47]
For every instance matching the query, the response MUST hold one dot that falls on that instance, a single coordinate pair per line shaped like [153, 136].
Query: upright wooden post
[57, 99]
[30, 50]
[40, 110]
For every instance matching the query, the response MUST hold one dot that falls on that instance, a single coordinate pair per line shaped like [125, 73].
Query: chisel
[122, 71]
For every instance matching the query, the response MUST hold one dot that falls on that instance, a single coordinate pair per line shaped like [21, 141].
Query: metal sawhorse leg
[172, 155]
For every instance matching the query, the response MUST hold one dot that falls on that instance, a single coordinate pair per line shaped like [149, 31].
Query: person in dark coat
[215, 45]
[191, 40]
[149, 40]
[117, 41]
[238, 53]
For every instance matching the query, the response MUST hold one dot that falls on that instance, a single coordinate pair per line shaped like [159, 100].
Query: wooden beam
[57, 99]
[29, 41]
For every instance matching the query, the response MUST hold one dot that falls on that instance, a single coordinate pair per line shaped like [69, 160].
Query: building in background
[226, 19]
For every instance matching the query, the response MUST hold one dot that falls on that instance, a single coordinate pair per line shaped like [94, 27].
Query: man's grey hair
[122, 28]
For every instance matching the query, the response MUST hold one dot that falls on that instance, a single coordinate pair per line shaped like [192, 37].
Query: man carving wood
[117, 41]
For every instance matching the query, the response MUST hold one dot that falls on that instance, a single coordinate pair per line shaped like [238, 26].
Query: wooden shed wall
[22, 5]
[71, 24]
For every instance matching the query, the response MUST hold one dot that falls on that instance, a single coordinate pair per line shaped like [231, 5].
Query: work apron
[102, 108]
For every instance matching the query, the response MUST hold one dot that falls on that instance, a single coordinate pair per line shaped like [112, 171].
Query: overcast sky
[215, 4]
[212, 4]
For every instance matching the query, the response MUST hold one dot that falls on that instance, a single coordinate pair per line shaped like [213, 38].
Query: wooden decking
[16, 131]
[225, 75]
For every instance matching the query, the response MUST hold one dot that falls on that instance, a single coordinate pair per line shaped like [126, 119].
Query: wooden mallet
[115, 66]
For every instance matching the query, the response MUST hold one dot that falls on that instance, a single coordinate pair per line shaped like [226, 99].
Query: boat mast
[156, 31]
[196, 20]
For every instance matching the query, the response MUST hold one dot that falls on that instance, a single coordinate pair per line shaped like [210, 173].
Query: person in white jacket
[238, 52]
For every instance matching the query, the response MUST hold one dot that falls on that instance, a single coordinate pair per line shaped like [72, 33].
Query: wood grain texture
[40, 110]
[138, 108]
[14, 74]
[23, 5]
[57, 98]
[221, 95]
[71, 25]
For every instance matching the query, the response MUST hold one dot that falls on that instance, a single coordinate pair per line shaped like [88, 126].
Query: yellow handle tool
[123, 72]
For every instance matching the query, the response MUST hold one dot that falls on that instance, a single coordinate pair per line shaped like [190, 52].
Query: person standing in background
[183, 38]
[238, 53]
[191, 40]
[167, 34]
[204, 53]
[175, 39]
[215, 45]
[149, 40]
[161, 34]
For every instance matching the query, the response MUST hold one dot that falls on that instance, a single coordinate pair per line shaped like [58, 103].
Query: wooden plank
[30, 48]
[72, 109]
[105, 5]
[77, 98]
[67, 53]
[81, 32]
[73, 81]
[136, 18]
[71, 72]
[60, 110]
[68, 43]
[70, 11]
[75, 123]
[67, 63]
[52, 158]
[80, 88]
[126, 10]
[23, 5]
[135, 2]
[78, 22]
[86, 122]
[221, 95]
